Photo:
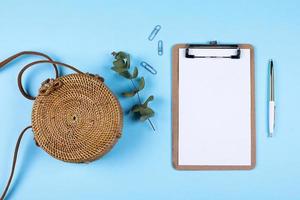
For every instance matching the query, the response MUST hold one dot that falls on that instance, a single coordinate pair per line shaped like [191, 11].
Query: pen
[271, 100]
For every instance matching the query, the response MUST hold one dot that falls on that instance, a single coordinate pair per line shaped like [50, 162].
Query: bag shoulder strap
[11, 58]
[14, 163]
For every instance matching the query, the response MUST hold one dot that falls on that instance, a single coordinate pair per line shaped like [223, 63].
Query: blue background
[84, 33]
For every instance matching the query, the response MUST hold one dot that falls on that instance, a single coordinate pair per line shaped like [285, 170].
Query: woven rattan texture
[78, 122]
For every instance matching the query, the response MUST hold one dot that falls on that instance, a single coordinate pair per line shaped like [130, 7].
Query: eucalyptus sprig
[121, 65]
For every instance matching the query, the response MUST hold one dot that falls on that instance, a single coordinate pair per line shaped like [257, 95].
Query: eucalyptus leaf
[127, 61]
[141, 84]
[150, 98]
[119, 69]
[121, 55]
[145, 117]
[136, 108]
[126, 74]
[119, 63]
[146, 111]
[142, 113]
[129, 94]
[135, 73]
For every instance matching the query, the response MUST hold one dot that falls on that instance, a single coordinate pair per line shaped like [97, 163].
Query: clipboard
[206, 136]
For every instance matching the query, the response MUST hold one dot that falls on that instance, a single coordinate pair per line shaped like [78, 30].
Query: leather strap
[14, 163]
[54, 63]
[6, 61]
[47, 61]
[26, 95]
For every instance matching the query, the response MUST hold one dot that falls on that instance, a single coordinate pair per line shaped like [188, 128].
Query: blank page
[214, 109]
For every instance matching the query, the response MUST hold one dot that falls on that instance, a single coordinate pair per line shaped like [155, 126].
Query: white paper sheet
[214, 109]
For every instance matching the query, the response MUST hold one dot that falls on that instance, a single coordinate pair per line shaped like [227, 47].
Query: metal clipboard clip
[213, 45]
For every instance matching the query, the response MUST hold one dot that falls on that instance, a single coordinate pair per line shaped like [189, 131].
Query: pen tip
[271, 63]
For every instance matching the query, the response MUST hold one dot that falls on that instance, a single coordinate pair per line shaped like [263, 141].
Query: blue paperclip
[160, 48]
[154, 32]
[148, 67]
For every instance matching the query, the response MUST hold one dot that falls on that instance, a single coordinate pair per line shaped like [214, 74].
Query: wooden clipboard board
[175, 116]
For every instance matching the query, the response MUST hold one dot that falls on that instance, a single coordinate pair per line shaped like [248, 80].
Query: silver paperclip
[160, 48]
[154, 32]
[148, 67]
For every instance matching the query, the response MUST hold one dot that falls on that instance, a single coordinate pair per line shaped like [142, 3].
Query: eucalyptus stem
[140, 110]
[138, 93]
[139, 98]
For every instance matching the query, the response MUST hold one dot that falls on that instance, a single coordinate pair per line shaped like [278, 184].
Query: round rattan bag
[75, 118]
